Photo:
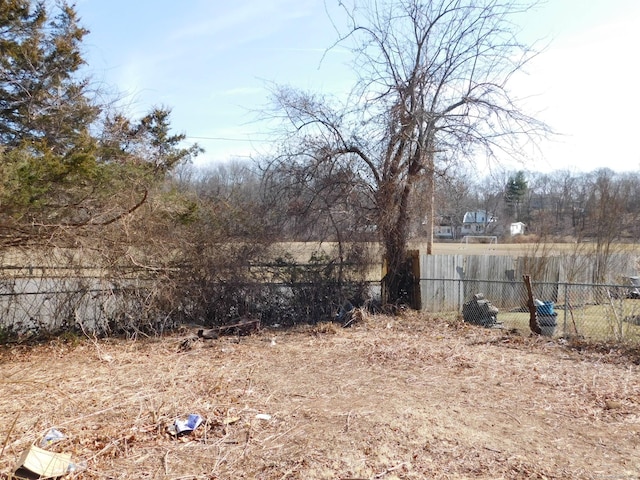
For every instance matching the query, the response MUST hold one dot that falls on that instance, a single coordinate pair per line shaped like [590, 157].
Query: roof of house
[478, 216]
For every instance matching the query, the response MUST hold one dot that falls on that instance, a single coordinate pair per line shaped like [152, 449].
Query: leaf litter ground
[404, 397]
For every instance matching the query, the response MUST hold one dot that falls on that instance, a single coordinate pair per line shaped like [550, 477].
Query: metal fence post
[566, 307]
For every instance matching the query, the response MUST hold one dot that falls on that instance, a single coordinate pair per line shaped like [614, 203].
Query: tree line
[561, 205]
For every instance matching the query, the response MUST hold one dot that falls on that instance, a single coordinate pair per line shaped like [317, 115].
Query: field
[403, 397]
[303, 250]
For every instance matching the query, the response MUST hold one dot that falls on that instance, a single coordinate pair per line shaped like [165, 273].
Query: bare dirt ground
[392, 398]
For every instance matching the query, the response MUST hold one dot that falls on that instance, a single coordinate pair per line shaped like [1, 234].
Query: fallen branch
[243, 327]
[6, 440]
[389, 470]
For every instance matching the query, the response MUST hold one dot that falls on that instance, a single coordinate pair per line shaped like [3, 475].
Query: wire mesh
[47, 300]
[39, 300]
[591, 311]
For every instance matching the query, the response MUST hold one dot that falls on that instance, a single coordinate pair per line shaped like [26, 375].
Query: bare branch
[433, 87]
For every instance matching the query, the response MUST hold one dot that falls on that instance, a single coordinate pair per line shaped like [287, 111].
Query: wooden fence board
[447, 281]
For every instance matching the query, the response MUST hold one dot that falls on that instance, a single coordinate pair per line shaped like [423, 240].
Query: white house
[443, 231]
[517, 228]
[477, 222]
[443, 227]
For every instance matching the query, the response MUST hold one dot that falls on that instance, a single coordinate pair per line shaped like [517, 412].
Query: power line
[226, 139]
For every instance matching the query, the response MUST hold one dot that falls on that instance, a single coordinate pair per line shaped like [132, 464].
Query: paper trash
[189, 425]
[44, 463]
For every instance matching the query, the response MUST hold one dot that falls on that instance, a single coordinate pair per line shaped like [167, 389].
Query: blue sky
[212, 61]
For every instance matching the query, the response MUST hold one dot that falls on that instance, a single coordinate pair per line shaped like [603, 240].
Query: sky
[213, 62]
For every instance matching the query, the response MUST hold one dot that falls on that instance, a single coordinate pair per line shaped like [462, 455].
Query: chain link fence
[590, 311]
[31, 305]
[55, 300]
[41, 300]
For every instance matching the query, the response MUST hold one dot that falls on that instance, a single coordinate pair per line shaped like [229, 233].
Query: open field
[301, 250]
[392, 398]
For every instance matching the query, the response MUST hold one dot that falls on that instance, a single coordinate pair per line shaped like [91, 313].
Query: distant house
[443, 231]
[444, 227]
[517, 228]
[477, 222]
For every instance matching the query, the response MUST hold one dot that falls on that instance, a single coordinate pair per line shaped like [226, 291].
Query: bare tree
[606, 217]
[432, 90]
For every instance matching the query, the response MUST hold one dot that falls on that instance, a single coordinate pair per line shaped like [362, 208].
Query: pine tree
[515, 191]
[44, 105]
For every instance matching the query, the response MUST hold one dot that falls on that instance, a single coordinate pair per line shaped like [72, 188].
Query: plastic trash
[77, 467]
[263, 416]
[189, 425]
[545, 308]
[52, 436]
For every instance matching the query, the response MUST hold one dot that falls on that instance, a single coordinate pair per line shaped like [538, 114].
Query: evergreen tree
[56, 175]
[515, 191]
[44, 105]
[148, 142]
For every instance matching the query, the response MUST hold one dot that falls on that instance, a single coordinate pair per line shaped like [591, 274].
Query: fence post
[566, 307]
[460, 299]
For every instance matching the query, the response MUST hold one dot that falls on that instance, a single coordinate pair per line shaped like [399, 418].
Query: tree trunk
[394, 224]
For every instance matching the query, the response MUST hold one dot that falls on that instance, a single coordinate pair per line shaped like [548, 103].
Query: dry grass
[598, 323]
[391, 398]
[302, 250]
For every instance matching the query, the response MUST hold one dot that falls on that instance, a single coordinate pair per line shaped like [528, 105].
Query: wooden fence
[447, 281]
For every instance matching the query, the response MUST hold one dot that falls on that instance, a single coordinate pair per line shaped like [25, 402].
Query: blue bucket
[545, 309]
